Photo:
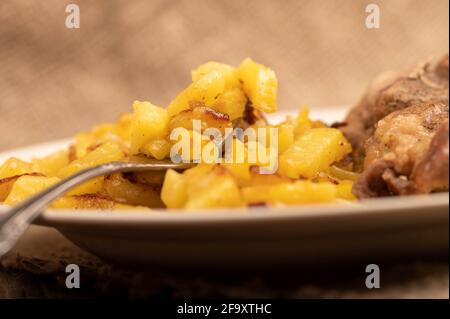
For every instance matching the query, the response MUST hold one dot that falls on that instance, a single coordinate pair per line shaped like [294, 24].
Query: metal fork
[15, 221]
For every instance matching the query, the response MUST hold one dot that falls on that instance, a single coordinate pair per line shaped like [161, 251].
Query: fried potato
[85, 201]
[216, 189]
[254, 195]
[122, 127]
[313, 152]
[119, 133]
[83, 142]
[232, 100]
[204, 186]
[292, 193]
[296, 192]
[286, 137]
[105, 153]
[174, 192]
[207, 116]
[5, 186]
[91, 201]
[260, 85]
[344, 190]
[229, 73]
[27, 186]
[258, 179]
[206, 89]
[7, 183]
[149, 122]
[240, 170]
[131, 192]
[158, 148]
[16, 167]
[51, 164]
[150, 177]
[302, 192]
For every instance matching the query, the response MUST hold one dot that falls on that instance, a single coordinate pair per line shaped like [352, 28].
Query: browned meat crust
[407, 154]
[380, 180]
[399, 132]
[431, 173]
[426, 83]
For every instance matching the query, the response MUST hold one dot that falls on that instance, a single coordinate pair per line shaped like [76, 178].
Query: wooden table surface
[36, 269]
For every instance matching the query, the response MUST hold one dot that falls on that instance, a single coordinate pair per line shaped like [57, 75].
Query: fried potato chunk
[313, 152]
[51, 164]
[27, 186]
[105, 153]
[174, 192]
[205, 186]
[207, 116]
[260, 85]
[206, 89]
[302, 192]
[7, 183]
[149, 123]
[158, 148]
[131, 192]
[232, 100]
[5, 186]
[16, 167]
[85, 201]
[91, 201]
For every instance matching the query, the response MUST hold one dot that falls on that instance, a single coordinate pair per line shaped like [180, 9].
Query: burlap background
[55, 81]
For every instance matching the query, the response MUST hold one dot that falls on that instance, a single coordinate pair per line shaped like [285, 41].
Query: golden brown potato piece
[6, 184]
[208, 116]
[260, 85]
[149, 178]
[155, 178]
[266, 179]
[91, 201]
[85, 201]
[131, 192]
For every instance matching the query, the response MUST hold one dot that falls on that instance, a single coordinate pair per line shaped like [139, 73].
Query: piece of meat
[427, 83]
[431, 173]
[407, 154]
[399, 132]
[404, 136]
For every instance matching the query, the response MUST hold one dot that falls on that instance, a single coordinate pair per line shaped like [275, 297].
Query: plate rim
[365, 208]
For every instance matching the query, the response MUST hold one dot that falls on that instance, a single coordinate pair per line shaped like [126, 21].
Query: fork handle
[15, 221]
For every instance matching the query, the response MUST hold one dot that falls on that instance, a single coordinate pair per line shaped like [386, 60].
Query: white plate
[370, 231]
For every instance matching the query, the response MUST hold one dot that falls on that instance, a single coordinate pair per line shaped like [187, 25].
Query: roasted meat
[428, 82]
[407, 154]
[399, 132]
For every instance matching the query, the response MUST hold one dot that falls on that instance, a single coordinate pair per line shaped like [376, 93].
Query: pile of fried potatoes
[314, 165]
